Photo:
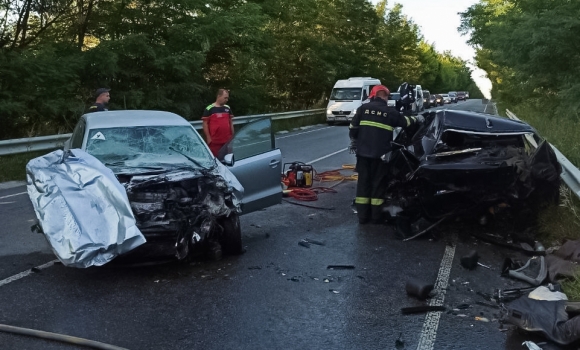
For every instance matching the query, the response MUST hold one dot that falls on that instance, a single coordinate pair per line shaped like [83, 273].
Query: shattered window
[146, 145]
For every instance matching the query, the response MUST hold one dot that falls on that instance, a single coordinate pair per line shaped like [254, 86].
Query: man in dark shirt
[102, 98]
[217, 122]
[371, 133]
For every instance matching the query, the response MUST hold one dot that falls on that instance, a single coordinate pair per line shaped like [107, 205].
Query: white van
[346, 96]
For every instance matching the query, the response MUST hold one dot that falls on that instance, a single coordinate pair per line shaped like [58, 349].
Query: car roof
[481, 122]
[112, 119]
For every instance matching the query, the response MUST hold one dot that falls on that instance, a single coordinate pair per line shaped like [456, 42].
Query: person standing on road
[218, 126]
[371, 133]
[102, 98]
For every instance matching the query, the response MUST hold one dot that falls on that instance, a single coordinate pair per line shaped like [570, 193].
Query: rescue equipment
[297, 174]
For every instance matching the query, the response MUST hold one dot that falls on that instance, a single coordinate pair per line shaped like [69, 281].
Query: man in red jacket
[217, 122]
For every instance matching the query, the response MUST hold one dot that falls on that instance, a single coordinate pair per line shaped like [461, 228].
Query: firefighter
[371, 133]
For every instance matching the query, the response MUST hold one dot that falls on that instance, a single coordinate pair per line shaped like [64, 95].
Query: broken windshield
[141, 146]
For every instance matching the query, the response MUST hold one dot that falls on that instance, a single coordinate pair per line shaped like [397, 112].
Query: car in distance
[461, 96]
[432, 101]
[453, 96]
[437, 100]
[426, 99]
[446, 98]
[393, 98]
[179, 195]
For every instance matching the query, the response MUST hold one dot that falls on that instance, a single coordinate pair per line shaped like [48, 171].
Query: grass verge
[14, 165]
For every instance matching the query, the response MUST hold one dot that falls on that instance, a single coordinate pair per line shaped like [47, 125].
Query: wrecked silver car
[463, 163]
[162, 181]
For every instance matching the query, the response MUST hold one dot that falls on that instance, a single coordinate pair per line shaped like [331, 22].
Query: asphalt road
[279, 294]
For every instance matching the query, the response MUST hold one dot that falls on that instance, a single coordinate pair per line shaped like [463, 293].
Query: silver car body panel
[82, 208]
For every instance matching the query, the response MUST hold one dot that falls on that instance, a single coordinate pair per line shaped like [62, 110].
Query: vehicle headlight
[328, 111]
[353, 112]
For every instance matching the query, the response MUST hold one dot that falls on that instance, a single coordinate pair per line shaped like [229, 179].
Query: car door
[257, 165]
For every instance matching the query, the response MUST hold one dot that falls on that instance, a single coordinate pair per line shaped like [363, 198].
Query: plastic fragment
[482, 319]
[531, 345]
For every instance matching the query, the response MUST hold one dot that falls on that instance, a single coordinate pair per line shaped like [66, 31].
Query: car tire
[231, 237]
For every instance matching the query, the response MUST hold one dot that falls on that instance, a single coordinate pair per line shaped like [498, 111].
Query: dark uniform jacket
[372, 127]
[97, 107]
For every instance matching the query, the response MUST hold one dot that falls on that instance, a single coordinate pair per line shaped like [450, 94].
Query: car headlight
[328, 111]
[353, 112]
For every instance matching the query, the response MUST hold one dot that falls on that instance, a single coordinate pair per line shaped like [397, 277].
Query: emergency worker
[102, 98]
[218, 126]
[371, 133]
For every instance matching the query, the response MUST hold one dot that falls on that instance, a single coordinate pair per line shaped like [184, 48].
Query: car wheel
[231, 237]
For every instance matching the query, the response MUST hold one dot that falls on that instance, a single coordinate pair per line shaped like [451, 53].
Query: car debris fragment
[418, 289]
[546, 317]
[421, 309]
[340, 267]
[470, 260]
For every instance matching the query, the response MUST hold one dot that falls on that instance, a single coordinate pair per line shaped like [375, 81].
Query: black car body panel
[463, 163]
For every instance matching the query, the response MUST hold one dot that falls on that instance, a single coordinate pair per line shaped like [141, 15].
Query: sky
[438, 21]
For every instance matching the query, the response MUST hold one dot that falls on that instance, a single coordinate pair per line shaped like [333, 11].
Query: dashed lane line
[302, 133]
[429, 331]
[326, 156]
[12, 195]
[26, 273]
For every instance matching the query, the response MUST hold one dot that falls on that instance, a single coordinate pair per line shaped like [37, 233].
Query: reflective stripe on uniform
[376, 125]
[362, 200]
[377, 201]
[209, 107]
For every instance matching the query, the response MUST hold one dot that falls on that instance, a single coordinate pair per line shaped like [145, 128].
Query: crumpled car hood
[82, 208]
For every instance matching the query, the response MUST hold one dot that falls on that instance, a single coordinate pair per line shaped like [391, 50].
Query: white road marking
[25, 273]
[12, 195]
[326, 156]
[429, 331]
[302, 133]
[7, 202]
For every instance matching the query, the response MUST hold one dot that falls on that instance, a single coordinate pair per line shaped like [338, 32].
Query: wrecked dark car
[132, 178]
[464, 163]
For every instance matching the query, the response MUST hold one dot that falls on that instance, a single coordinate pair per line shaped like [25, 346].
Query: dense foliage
[174, 54]
[531, 52]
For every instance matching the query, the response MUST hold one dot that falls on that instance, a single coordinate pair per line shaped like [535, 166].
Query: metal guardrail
[570, 174]
[44, 143]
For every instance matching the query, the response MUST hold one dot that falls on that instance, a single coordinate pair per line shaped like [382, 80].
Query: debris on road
[470, 260]
[531, 345]
[418, 289]
[482, 265]
[340, 267]
[421, 309]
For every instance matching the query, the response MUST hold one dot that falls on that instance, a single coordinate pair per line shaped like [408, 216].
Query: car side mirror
[228, 159]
